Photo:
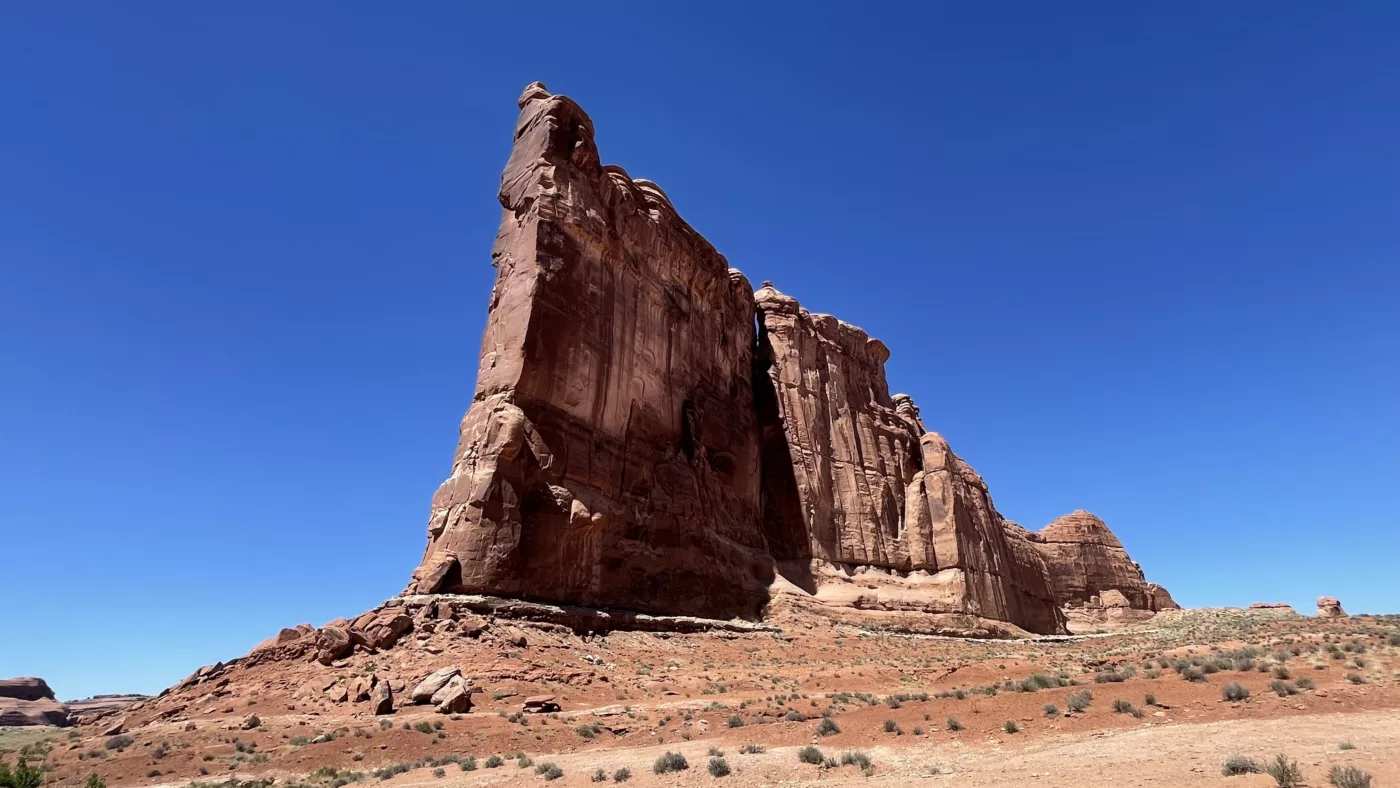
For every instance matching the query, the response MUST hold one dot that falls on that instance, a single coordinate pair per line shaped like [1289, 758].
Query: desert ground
[879, 707]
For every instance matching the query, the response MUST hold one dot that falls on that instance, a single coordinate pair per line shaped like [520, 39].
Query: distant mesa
[28, 700]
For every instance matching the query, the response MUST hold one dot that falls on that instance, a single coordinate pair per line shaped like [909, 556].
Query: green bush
[494, 761]
[828, 727]
[1286, 773]
[1079, 701]
[670, 762]
[622, 775]
[549, 771]
[119, 743]
[1234, 691]
[719, 767]
[1193, 674]
[23, 776]
[1051, 710]
[953, 724]
[1237, 765]
[1348, 777]
[810, 754]
[891, 726]
[735, 721]
[1010, 726]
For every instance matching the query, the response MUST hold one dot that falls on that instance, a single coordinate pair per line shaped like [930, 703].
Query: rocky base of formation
[650, 433]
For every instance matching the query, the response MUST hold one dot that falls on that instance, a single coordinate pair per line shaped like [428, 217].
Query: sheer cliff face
[648, 433]
[610, 456]
[852, 477]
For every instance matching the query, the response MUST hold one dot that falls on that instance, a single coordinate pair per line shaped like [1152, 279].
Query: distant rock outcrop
[1329, 607]
[648, 433]
[27, 700]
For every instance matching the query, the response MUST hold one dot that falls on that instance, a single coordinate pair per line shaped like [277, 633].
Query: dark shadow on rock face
[783, 526]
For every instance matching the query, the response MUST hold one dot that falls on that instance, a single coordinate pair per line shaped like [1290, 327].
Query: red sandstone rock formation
[1086, 560]
[852, 477]
[610, 455]
[634, 444]
[1329, 607]
[30, 701]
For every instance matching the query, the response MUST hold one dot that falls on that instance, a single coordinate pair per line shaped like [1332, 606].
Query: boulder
[382, 701]
[1329, 607]
[250, 722]
[1161, 598]
[382, 629]
[115, 728]
[423, 692]
[332, 643]
[540, 704]
[361, 687]
[455, 697]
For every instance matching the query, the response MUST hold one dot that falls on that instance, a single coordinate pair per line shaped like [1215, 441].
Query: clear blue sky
[1135, 258]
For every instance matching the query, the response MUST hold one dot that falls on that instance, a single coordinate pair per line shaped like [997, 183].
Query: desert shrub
[1283, 688]
[1121, 706]
[494, 761]
[93, 781]
[1346, 745]
[1348, 777]
[1356, 678]
[1079, 701]
[719, 767]
[1234, 691]
[1110, 677]
[153, 773]
[1237, 765]
[423, 727]
[467, 764]
[828, 727]
[549, 771]
[670, 762]
[1149, 700]
[1305, 683]
[891, 726]
[1281, 672]
[599, 776]
[735, 721]
[793, 715]
[23, 776]
[439, 772]
[1286, 773]
[752, 749]
[1193, 674]
[523, 761]
[809, 754]
[953, 724]
[1010, 726]
[1051, 710]
[119, 743]
[622, 775]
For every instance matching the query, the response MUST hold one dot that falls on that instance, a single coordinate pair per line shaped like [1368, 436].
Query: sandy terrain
[630, 697]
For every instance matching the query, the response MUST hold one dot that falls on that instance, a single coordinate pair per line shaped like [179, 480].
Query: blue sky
[1134, 258]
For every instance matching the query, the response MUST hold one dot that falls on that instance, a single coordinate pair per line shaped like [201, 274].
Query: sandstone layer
[27, 700]
[649, 434]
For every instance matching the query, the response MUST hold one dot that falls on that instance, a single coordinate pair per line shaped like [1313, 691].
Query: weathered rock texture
[610, 455]
[1329, 607]
[650, 434]
[30, 701]
[853, 479]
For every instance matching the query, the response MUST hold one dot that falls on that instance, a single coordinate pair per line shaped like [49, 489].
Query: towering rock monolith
[610, 456]
[650, 434]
